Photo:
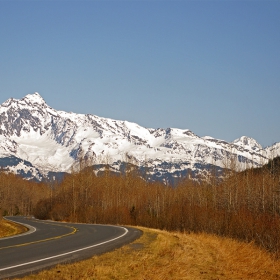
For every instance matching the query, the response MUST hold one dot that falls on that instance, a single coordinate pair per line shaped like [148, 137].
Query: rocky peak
[34, 98]
[247, 142]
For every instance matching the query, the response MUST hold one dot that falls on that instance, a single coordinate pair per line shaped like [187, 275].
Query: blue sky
[209, 66]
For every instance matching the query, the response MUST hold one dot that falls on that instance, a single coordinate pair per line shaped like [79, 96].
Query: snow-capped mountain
[53, 141]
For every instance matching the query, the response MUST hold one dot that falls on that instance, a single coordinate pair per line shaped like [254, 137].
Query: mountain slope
[53, 141]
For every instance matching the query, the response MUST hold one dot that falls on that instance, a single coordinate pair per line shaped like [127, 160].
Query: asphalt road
[48, 243]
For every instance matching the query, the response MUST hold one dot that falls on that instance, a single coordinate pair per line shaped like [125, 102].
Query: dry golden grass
[8, 228]
[161, 255]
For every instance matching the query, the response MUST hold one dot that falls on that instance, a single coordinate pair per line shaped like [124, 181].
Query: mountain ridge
[54, 141]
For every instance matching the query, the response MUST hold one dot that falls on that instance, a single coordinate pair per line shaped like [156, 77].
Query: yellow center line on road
[44, 240]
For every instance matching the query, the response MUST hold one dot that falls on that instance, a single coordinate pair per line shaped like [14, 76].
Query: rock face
[53, 141]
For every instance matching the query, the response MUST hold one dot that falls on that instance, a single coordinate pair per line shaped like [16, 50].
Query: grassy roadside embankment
[161, 255]
[8, 228]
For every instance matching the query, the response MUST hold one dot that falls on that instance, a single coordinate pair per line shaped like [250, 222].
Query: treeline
[18, 196]
[244, 205]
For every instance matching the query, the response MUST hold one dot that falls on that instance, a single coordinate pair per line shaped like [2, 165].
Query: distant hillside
[273, 166]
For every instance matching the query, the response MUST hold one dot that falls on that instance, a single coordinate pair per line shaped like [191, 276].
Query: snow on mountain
[20, 167]
[53, 141]
[247, 143]
[273, 151]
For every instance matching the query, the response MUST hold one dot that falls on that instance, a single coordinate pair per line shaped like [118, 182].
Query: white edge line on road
[68, 253]
[31, 229]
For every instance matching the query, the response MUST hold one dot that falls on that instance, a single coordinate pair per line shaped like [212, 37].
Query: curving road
[48, 243]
